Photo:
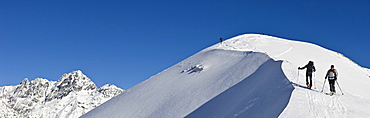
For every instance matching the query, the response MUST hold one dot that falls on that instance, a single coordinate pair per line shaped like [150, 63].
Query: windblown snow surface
[249, 75]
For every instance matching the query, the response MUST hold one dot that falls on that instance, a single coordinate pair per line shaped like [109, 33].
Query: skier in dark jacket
[221, 40]
[310, 69]
[332, 75]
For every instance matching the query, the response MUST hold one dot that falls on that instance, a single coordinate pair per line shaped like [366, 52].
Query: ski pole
[298, 76]
[339, 88]
[313, 79]
[322, 90]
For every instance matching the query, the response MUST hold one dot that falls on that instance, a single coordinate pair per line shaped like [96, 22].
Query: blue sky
[125, 42]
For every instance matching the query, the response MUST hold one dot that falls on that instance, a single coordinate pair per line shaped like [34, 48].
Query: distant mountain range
[73, 95]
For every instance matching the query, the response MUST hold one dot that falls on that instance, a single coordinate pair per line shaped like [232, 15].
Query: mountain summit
[74, 81]
[71, 96]
[250, 75]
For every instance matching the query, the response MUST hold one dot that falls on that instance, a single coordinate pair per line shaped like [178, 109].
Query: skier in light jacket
[332, 76]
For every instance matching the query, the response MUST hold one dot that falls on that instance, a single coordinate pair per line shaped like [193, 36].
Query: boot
[332, 92]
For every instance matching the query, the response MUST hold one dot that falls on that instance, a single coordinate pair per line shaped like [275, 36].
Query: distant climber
[310, 69]
[332, 76]
[221, 40]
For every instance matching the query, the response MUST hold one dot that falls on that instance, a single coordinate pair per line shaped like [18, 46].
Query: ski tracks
[324, 106]
[311, 107]
[286, 51]
[336, 108]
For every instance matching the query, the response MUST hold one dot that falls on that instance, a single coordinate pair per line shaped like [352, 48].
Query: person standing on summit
[221, 40]
[310, 69]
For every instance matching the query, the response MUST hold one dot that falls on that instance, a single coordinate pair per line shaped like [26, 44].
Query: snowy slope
[250, 75]
[71, 96]
[353, 79]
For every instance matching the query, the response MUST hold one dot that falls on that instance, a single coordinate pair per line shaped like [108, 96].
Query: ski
[333, 94]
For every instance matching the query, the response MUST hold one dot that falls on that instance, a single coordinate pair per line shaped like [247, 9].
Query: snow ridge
[178, 91]
[250, 75]
[71, 96]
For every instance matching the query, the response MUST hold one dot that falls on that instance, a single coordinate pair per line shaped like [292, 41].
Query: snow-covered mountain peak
[75, 76]
[25, 81]
[77, 73]
[32, 88]
[250, 75]
[273, 46]
[108, 86]
[74, 81]
[110, 90]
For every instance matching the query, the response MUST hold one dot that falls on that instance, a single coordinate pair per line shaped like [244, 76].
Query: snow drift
[249, 75]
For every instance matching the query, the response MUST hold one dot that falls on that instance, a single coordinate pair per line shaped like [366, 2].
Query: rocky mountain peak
[109, 90]
[25, 81]
[74, 81]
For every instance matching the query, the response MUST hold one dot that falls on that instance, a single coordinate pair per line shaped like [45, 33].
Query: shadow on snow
[265, 93]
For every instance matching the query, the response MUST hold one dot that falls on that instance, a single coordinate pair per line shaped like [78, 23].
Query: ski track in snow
[331, 105]
[291, 47]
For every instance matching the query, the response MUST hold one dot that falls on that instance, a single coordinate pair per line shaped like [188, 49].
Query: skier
[221, 40]
[332, 75]
[310, 69]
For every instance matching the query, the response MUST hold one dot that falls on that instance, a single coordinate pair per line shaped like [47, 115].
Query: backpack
[332, 74]
[310, 67]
